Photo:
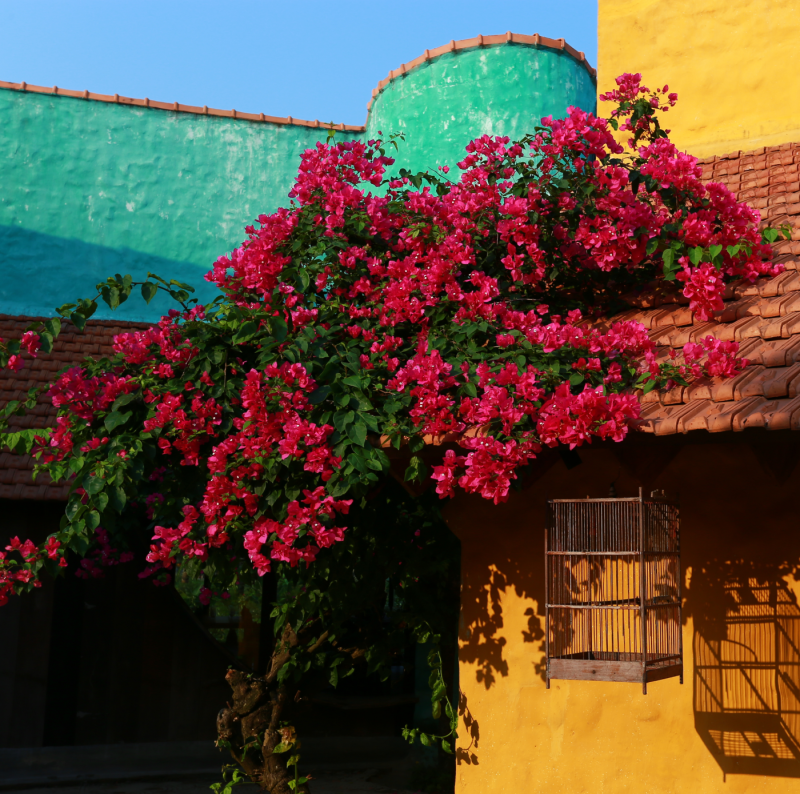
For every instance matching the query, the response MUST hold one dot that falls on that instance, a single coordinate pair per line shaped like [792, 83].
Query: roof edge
[176, 107]
[536, 41]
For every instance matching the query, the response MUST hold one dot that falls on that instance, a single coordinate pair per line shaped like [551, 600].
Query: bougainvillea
[377, 313]
[374, 314]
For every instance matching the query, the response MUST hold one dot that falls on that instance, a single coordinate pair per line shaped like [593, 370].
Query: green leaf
[100, 501]
[733, 250]
[715, 251]
[318, 395]
[246, 331]
[73, 508]
[358, 432]
[426, 739]
[446, 746]
[279, 329]
[282, 748]
[696, 255]
[123, 400]
[93, 484]
[342, 419]
[93, 519]
[118, 499]
[302, 279]
[78, 320]
[116, 418]
[149, 291]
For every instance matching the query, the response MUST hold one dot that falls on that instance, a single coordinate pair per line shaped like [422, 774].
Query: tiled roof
[454, 46]
[763, 317]
[70, 349]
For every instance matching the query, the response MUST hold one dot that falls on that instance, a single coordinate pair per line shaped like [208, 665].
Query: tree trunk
[250, 725]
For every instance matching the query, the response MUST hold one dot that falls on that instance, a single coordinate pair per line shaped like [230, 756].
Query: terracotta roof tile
[70, 349]
[763, 317]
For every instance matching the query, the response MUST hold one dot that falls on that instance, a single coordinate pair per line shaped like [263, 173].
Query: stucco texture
[92, 188]
[733, 64]
[733, 726]
[504, 90]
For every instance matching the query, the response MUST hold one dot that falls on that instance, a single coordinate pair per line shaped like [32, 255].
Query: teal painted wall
[506, 90]
[91, 188]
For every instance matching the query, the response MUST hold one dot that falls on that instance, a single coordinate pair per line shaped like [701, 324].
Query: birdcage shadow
[747, 674]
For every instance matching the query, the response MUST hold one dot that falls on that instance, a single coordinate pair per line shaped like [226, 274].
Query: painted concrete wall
[503, 90]
[91, 188]
[733, 64]
[733, 726]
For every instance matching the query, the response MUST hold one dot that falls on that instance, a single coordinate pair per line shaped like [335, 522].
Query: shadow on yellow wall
[746, 652]
[738, 714]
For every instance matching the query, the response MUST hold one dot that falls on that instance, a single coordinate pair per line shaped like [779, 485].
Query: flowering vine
[374, 314]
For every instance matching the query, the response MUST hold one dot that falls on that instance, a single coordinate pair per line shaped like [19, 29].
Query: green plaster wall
[506, 90]
[91, 188]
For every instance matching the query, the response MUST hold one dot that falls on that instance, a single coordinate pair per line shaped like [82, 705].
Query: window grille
[613, 590]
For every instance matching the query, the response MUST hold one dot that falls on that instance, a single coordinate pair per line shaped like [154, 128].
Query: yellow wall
[735, 65]
[716, 732]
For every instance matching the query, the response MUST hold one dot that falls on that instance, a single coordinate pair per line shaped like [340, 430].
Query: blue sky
[305, 58]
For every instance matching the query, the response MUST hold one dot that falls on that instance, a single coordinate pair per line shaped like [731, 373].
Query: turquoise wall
[443, 104]
[91, 188]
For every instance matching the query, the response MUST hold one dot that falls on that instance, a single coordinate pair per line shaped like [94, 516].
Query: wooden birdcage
[613, 590]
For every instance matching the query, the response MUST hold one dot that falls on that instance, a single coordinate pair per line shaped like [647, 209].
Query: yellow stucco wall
[735, 65]
[740, 551]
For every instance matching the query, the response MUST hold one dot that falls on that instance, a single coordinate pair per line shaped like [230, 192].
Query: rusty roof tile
[722, 417]
[666, 420]
[771, 383]
[774, 415]
[780, 353]
[784, 327]
[736, 310]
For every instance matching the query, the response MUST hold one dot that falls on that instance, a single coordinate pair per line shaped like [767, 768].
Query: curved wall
[503, 90]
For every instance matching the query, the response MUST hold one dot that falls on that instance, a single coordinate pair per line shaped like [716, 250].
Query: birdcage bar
[612, 590]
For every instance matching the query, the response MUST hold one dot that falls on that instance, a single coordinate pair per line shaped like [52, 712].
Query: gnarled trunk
[250, 725]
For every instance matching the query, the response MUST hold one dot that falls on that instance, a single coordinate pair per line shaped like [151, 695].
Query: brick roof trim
[537, 41]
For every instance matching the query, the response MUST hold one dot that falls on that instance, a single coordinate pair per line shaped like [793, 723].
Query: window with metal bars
[613, 590]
